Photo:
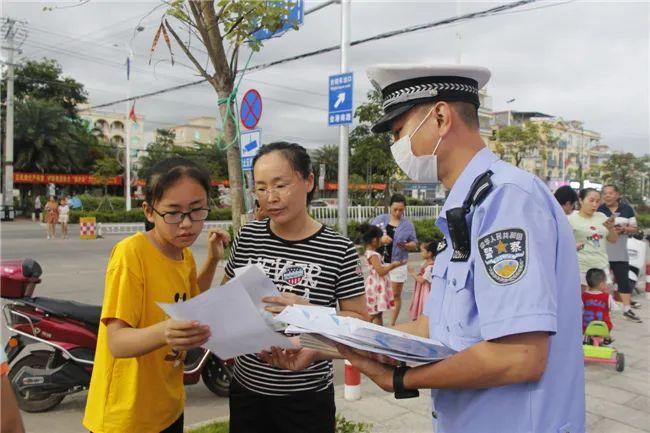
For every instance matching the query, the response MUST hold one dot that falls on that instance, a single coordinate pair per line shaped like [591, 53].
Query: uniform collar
[478, 165]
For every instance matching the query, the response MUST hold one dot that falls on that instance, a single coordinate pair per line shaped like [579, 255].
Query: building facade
[571, 150]
[196, 130]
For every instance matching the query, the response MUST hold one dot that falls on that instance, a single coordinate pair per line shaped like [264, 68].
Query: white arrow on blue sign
[250, 143]
[340, 99]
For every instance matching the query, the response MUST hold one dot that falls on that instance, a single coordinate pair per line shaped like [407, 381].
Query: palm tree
[328, 155]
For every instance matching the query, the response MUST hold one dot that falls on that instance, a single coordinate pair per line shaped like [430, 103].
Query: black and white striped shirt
[323, 268]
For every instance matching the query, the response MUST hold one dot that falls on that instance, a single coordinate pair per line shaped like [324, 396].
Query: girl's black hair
[368, 232]
[584, 192]
[565, 194]
[431, 247]
[297, 156]
[397, 198]
[166, 173]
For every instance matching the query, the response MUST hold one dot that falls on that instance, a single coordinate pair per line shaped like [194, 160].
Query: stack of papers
[235, 314]
[325, 326]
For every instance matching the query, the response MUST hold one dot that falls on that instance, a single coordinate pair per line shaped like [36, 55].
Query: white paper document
[235, 314]
[326, 326]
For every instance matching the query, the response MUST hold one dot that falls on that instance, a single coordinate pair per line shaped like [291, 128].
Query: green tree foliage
[328, 155]
[209, 156]
[624, 170]
[370, 153]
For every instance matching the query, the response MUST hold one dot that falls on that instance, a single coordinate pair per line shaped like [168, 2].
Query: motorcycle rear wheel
[217, 376]
[36, 359]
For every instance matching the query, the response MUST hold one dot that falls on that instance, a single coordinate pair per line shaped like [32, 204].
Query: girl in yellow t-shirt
[137, 381]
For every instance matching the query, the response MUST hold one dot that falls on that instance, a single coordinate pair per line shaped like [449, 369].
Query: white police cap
[403, 86]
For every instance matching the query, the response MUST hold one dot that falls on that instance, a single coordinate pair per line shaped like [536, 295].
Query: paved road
[74, 269]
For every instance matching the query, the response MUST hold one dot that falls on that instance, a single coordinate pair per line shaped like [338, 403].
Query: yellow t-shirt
[143, 394]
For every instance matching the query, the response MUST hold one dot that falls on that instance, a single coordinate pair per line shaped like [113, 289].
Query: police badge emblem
[505, 255]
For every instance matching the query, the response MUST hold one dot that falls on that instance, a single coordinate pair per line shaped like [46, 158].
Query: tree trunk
[234, 162]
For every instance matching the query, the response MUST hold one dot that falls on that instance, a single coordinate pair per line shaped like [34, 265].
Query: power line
[474, 15]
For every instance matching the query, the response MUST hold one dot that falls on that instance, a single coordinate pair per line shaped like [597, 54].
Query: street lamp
[127, 169]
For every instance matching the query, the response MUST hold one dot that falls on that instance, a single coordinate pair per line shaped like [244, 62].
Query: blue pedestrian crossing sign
[340, 99]
[250, 143]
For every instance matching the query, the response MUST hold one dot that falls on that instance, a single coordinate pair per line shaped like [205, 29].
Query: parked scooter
[61, 337]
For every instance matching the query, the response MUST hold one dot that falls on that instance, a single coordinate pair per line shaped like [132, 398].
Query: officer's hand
[379, 373]
[580, 246]
[385, 240]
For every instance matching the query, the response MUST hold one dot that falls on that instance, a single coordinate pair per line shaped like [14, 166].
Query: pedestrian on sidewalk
[504, 289]
[398, 240]
[64, 217]
[592, 230]
[51, 217]
[291, 391]
[379, 294]
[137, 380]
[423, 279]
[37, 207]
[617, 253]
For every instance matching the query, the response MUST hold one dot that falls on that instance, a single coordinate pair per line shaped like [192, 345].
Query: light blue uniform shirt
[522, 276]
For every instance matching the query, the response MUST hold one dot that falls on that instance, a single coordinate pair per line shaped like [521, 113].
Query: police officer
[504, 290]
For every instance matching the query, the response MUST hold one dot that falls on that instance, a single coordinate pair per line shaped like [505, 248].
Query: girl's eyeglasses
[195, 215]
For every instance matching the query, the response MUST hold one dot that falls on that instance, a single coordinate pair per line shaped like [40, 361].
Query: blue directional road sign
[295, 17]
[340, 99]
[250, 143]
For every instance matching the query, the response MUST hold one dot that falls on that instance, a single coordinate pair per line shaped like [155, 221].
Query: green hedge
[643, 220]
[132, 216]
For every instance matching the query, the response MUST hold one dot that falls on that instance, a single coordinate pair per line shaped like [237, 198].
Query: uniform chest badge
[505, 255]
[442, 245]
[293, 275]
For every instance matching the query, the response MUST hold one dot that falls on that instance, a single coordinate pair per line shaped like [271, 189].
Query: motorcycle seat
[86, 313]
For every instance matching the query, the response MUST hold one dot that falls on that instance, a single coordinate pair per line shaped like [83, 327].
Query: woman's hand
[385, 240]
[184, 335]
[282, 301]
[218, 240]
[289, 359]
[609, 224]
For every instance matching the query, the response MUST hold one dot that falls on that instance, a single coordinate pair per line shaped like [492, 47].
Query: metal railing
[326, 215]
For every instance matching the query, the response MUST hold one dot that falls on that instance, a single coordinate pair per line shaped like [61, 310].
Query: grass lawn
[216, 427]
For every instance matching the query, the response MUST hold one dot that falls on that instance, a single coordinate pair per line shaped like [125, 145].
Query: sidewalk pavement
[616, 402]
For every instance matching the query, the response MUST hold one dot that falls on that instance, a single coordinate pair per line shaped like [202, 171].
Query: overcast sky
[579, 60]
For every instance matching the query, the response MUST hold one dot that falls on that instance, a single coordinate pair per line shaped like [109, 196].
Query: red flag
[132, 115]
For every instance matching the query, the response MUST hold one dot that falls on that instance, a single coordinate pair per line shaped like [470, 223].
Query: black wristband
[398, 383]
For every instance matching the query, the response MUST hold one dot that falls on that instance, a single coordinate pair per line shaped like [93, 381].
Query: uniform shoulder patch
[505, 255]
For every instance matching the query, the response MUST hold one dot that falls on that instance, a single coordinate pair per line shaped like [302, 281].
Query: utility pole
[12, 30]
[344, 129]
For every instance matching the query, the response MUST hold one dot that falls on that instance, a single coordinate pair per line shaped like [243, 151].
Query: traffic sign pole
[344, 129]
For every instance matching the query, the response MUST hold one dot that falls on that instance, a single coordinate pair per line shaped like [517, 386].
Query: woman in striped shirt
[309, 263]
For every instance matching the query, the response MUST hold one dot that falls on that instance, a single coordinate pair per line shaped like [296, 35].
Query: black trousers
[303, 412]
[621, 271]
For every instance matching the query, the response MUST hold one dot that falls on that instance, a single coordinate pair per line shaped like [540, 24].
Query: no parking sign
[251, 109]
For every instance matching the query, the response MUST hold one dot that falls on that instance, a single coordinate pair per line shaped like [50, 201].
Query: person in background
[619, 259]
[37, 207]
[379, 295]
[591, 229]
[567, 197]
[423, 279]
[51, 217]
[10, 421]
[399, 238]
[64, 217]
